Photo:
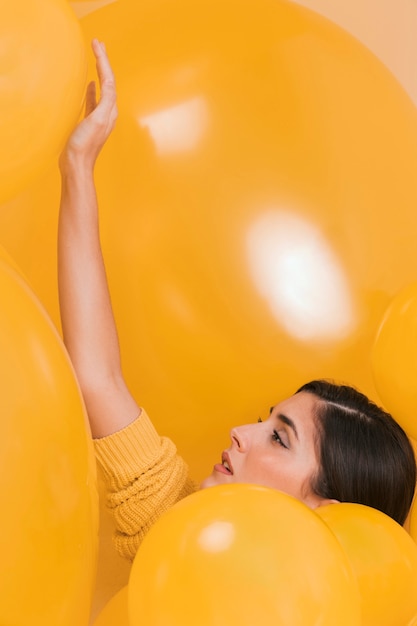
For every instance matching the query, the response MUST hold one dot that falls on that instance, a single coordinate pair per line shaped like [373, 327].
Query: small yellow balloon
[240, 555]
[43, 74]
[394, 359]
[383, 558]
[115, 612]
[49, 519]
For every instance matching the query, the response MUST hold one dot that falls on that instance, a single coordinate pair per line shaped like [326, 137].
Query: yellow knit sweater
[144, 477]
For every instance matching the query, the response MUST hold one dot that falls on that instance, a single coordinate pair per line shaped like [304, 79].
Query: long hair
[364, 455]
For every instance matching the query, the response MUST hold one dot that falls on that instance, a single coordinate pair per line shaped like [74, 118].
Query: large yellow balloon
[240, 555]
[383, 558]
[49, 521]
[394, 358]
[43, 72]
[247, 206]
[258, 208]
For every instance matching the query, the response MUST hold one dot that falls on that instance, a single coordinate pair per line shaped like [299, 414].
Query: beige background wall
[387, 27]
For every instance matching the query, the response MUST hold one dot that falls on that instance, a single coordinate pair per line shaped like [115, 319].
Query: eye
[260, 420]
[276, 437]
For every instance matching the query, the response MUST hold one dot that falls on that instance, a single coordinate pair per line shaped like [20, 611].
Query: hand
[90, 135]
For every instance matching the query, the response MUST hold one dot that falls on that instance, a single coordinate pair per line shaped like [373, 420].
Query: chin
[213, 480]
[208, 482]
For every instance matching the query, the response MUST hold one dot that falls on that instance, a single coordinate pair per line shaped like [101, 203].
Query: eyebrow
[286, 420]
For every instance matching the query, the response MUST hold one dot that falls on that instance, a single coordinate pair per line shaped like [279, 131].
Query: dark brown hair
[364, 455]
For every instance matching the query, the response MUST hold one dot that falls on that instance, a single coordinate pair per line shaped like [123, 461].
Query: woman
[326, 443]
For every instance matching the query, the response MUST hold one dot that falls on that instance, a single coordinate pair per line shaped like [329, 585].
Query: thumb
[90, 98]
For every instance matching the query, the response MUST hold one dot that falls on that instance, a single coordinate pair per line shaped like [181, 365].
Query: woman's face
[279, 452]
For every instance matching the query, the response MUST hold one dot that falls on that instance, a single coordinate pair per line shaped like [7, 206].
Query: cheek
[273, 470]
[288, 476]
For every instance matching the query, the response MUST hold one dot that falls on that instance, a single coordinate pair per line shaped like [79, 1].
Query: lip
[221, 469]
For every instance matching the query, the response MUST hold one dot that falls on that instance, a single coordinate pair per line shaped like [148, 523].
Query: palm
[89, 136]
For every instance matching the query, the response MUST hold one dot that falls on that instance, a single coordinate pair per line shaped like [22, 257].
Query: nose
[240, 436]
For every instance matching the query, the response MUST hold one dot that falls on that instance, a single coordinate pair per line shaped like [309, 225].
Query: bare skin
[279, 453]
[88, 324]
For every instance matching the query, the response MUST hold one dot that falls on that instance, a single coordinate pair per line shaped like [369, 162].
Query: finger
[107, 100]
[104, 69]
[90, 99]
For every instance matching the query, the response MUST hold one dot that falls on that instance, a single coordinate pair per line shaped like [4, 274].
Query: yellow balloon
[394, 358]
[33, 214]
[49, 519]
[241, 555]
[246, 248]
[43, 72]
[115, 611]
[383, 558]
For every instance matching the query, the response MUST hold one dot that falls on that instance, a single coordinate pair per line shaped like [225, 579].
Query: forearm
[87, 318]
[88, 324]
[82, 282]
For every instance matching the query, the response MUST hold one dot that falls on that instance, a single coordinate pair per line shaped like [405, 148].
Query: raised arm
[88, 324]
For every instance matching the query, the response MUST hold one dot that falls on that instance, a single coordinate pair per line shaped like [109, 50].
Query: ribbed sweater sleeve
[144, 477]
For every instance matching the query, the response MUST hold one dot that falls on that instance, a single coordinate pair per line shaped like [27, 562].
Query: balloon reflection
[217, 536]
[179, 128]
[296, 270]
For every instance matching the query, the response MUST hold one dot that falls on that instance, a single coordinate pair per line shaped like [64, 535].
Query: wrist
[75, 165]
